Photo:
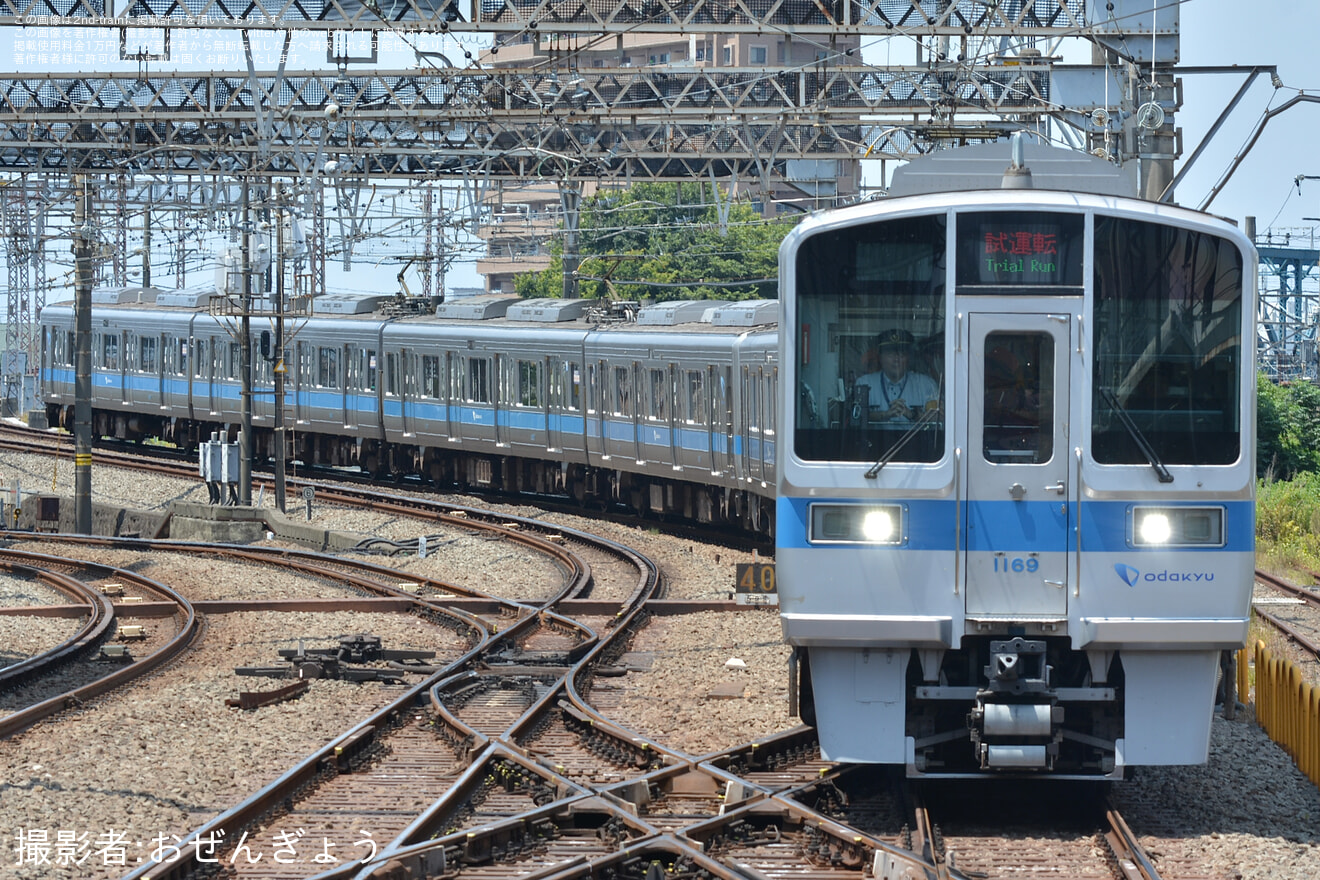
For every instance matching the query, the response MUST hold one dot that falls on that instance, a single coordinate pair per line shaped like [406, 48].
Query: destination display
[1019, 249]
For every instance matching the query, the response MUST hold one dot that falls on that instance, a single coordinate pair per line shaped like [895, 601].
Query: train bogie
[1015, 517]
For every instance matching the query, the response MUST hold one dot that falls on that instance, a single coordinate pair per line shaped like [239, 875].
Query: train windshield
[870, 338]
[1168, 339]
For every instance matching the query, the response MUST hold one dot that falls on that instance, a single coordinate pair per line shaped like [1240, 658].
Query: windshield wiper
[927, 416]
[1139, 438]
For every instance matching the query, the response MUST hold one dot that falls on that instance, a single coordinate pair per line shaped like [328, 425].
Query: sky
[1214, 32]
[1249, 32]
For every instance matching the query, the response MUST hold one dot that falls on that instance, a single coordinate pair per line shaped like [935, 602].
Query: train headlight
[878, 526]
[1178, 526]
[1154, 529]
[856, 524]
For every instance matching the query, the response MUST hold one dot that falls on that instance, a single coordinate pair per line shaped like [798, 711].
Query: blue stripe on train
[1017, 526]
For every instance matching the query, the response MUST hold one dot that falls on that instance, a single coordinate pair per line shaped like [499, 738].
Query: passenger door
[1016, 510]
[352, 384]
[718, 381]
[553, 403]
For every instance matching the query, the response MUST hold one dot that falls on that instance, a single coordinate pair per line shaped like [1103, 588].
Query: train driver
[897, 396]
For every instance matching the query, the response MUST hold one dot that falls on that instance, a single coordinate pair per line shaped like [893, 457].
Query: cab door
[1018, 468]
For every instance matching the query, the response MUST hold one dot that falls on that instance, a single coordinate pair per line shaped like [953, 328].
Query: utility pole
[570, 200]
[245, 358]
[280, 488]
[146, 246]
[82, 394]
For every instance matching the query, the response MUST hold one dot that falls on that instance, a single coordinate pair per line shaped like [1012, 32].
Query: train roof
[982, 167]
[487, 311]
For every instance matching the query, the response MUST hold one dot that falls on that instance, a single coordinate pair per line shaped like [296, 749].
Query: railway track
[93, 606]
[1296, 614]
[335, 485]
[505, 763]
[1026, 831]
[80, 672]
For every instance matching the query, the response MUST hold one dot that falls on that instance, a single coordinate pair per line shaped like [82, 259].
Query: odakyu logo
[1131, 575]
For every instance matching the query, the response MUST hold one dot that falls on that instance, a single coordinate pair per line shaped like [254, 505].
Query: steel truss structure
[979, 74]
[824, 17]
[1289, 307]
[515, 123]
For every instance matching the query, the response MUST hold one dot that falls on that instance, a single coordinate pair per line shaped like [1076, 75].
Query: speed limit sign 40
[756, 584]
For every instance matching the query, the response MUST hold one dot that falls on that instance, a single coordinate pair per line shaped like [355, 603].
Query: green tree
[1287, 428]
[665, 241]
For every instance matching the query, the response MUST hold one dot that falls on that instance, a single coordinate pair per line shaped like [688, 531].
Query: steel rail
[1310, 596]
[100, 619]
[1289, 631]
[340, 755]
[188, 629]
[331, 759]
[1132, 859]
[621, 800]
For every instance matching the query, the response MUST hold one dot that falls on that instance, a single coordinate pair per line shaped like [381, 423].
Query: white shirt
[914, 389]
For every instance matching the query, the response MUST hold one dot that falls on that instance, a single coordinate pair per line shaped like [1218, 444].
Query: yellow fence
[1287, 708]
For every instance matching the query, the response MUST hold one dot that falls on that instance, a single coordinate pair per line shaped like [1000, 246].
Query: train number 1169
[1016, 564]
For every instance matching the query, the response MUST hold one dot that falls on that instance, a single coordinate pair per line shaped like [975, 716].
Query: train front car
[1015, 502]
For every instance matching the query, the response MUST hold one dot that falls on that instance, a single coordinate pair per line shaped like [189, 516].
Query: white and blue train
[1015, 496]
[1001, 432]
[670, 414]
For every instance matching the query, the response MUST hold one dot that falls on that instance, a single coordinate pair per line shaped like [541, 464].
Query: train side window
[70, 348]
[352, 368]
[431, 376]
[392, 374]
[360, 369]
[574, 401]
[130, 350]
[659, 396]
[622, 391]
[751, 400]
[327, 369]
[554, 383]
[109, 350]
[529, 383]
[593, 388]
[720, 408]
[306, 363]
[506, 374]
[199, 358]
[234, 362]
[478, 372]
[695, 400]
[148, 346]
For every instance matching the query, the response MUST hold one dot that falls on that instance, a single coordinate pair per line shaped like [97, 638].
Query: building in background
[522, 219]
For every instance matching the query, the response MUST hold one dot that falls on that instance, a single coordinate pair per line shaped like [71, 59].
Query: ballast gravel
[126, 773]
[162, 757]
